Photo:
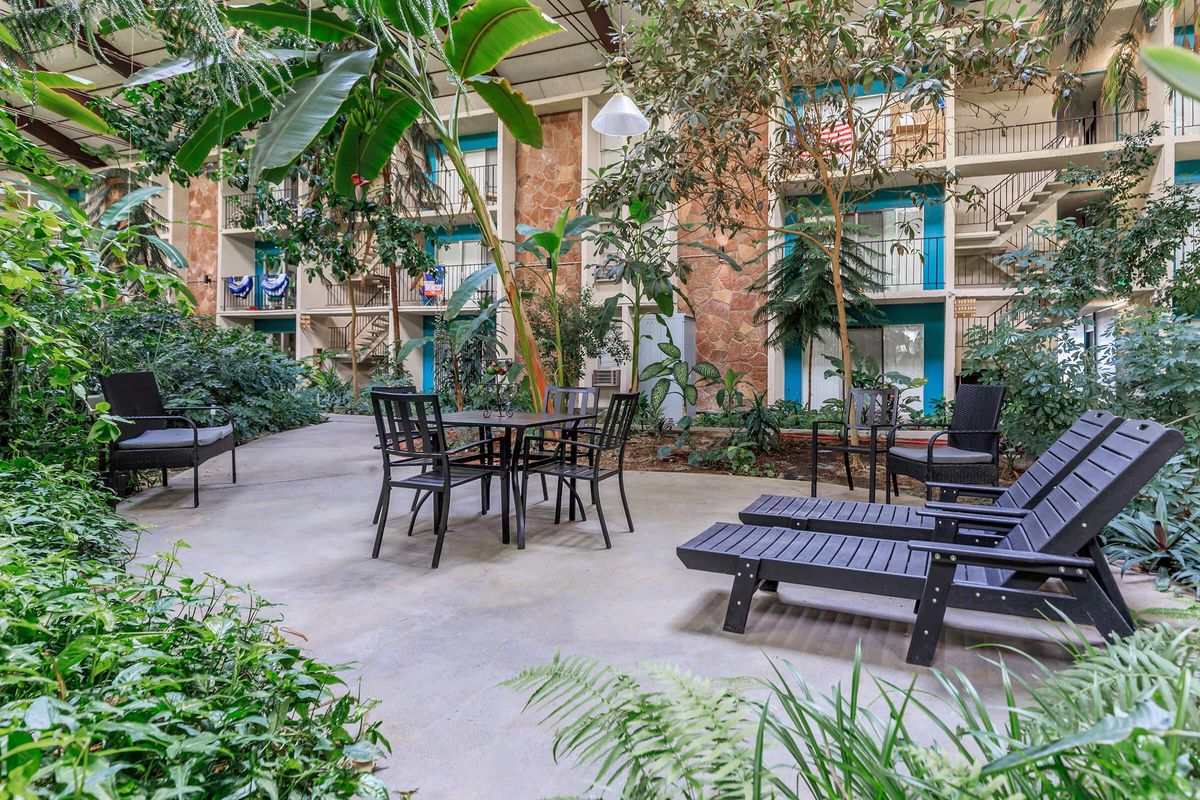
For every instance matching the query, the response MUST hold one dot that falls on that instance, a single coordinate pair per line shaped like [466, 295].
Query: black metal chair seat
[941, 455]
[569, 471]
[166, 438]
[435, 479]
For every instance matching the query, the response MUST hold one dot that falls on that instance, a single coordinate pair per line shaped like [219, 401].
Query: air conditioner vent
[606, 378]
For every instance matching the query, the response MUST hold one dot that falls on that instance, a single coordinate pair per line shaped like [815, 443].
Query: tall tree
[772, 99]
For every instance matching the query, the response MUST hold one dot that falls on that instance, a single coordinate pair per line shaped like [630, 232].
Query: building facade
[938, 285]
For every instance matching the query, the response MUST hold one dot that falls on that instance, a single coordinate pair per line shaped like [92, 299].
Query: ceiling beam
[603, 25]
[52, 136]
[114, 58]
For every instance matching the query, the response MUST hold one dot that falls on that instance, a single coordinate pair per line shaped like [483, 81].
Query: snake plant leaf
[320, 25]
[184, 65]
[364, 151]
[418, 17]
[65, 106]
[491, 29]
[511, 107]
[229, 118]
[123, 206]
[306, 110]
[1176, 66]
[466, 291]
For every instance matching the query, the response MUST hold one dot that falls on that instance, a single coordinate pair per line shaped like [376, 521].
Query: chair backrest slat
[618, 420]
[873, 407]
[131, 394]
[1076, 443]
[407, 422]
[976, 408]
[571, 400]
[1094, 491]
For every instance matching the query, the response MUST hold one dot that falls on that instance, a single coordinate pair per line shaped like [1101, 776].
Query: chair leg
[624, 500]
[571, 504]
[931, 611]
[485, 491]
[558, 503]
[196, 486]
[1104, 613]
[443, 509]
[505, 499]
[233, 462]
[383, 512]
[419, 498]
[379, 503]
[165, 481]
[545, 491]
[1107, 582]
[523, 501]
[849, 475]
[745, 582]
[578, 498]
[813, 481]
[600, 514]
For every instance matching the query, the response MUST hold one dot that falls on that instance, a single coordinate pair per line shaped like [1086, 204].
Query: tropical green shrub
[1121, 721]
[145, 683]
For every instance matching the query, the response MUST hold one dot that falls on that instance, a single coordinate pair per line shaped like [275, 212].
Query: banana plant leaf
[228, 119]
[491, 29]
[59, 80]
[364, 153]
[64, 105]
[418, 17]
[184, 65]
[470, 285]
[1176, 66]
[317, 24]
[312, 102]
[511, 107]
[122, 207]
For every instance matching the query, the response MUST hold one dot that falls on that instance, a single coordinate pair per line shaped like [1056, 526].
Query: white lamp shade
[620, 117]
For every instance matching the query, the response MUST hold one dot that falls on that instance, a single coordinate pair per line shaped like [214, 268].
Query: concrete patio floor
[432, 645]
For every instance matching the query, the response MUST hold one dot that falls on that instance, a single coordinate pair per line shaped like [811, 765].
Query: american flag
[839, 137]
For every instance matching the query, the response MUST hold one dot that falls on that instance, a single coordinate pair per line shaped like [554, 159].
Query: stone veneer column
[203, 196]
[549, 180]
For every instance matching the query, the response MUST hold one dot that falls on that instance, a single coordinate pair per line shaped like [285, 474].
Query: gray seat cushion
[175, 437]
[942, 455]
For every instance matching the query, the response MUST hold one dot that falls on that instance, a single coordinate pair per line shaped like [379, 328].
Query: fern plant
[677, 736]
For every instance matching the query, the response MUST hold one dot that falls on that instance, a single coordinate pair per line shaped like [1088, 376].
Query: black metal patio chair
[565, 400]
[972, 453]
[608, 439]
[1055, 541]
[409, 426]
[161, 437]
[869, 412]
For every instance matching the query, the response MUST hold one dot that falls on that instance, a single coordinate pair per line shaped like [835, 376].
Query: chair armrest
[571, 443]
[163, 417]
[1017, 513]
[228, 414]
[968, 519]
[471, 445]
[970, 489]
[1025, 561]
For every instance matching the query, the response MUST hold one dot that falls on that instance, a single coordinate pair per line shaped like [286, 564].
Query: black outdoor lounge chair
[148, 441]
[972, 454]
[410, 430]
[1056, 539]
[905, 522]
[609, 438]
[869, 413]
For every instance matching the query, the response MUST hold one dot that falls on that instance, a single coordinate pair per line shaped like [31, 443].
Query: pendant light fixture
[620, 115]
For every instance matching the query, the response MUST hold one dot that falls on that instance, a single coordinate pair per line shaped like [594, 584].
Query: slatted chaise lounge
[1056, 539]
[905, 522]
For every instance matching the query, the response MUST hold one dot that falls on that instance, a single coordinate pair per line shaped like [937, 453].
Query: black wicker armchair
[158, 437]
[972, 454]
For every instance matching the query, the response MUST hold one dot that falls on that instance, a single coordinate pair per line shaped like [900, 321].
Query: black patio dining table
[514, 424]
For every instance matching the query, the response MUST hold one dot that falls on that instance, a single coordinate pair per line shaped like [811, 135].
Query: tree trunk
[835, 267]
[526, 342]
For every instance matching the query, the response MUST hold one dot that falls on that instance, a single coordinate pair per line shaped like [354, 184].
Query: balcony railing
[907, 264]
[894, 136]
[435, 289]
[366, 295]
[451, 186]
[1050, 134]
[260, 295]
[237, 207]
